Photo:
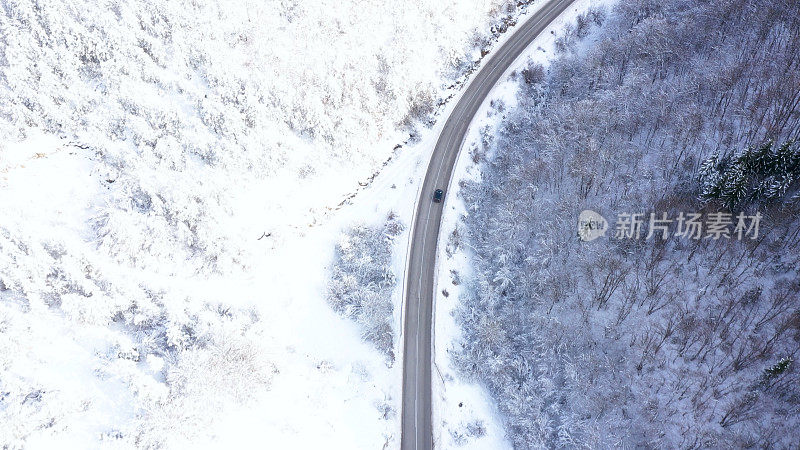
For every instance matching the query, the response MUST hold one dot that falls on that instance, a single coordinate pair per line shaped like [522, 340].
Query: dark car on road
[437, 196]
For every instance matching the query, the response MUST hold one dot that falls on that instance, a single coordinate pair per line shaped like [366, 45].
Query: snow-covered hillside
[682, 331]
[167, 177]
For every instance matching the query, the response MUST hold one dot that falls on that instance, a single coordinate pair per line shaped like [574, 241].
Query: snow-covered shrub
[467, 432]
[363, 281]
[230, 368]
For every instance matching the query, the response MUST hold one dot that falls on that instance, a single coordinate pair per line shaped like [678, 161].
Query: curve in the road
[417, 431]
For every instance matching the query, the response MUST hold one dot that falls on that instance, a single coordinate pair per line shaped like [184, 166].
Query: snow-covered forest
[161, 166]
[664, 107]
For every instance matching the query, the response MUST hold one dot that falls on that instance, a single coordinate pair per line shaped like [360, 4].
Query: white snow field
[169, 180]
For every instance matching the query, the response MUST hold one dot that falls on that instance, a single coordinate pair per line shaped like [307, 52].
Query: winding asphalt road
[421, 265]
